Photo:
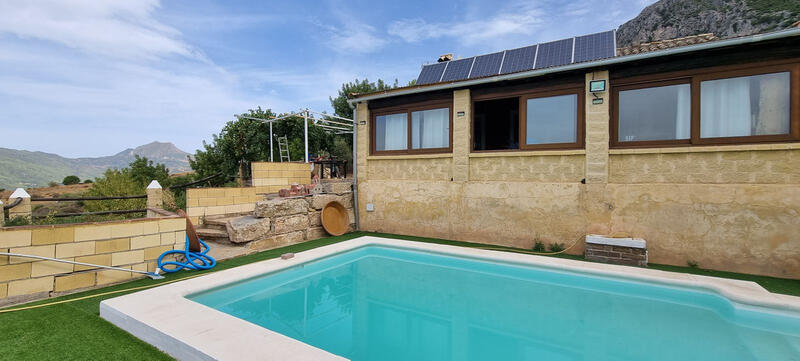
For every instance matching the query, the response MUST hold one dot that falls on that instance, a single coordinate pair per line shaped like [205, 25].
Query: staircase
[214, 231]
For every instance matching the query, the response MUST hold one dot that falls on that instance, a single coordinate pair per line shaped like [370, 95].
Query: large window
[550, 119]
[417, 129]
[744, 105]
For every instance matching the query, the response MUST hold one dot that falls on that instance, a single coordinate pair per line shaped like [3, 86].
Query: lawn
[75, 331]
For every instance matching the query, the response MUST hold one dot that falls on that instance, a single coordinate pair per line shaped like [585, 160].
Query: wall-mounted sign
[597, 101]
[460, 114]
[597, 86]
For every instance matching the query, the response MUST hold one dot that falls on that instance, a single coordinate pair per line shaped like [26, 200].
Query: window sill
[410, 156]
[527, 153]
[705, 149]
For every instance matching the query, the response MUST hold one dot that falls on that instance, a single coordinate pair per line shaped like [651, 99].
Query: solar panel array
[551, 54]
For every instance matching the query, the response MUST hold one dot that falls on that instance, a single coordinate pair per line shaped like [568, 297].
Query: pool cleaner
[193, 256]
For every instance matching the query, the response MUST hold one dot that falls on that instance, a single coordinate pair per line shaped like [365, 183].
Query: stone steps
[212, 234]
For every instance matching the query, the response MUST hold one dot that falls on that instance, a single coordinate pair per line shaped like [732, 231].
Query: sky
[85, 78]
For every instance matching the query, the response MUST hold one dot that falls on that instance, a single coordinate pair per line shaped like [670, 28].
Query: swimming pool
[396, 300]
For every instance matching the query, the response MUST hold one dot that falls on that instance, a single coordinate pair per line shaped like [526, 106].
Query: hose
[191, 260]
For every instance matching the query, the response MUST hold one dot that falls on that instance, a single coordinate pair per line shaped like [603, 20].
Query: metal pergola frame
[340, 125]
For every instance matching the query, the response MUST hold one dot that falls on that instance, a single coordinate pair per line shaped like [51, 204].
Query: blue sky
[93, 77]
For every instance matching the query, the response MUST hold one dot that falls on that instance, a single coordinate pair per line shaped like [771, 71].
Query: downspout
[355, 155]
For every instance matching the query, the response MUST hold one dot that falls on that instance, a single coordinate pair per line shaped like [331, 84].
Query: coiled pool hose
[190, 260]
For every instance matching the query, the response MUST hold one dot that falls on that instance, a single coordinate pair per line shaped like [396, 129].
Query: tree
[70, 179]
[128, 181]
[143, 171]
[339, 104]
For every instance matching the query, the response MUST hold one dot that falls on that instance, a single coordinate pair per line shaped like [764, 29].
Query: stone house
[691, 144]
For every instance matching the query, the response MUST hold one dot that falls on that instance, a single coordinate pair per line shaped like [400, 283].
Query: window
[552, 120]
[738, 105]
[390, 132]
[745, 106]
[430, 128]
[413, 129]
[657, 113]
[496, 124]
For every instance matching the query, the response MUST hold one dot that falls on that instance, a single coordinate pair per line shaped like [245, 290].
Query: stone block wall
[212, 202]
[269, 177]
[732, 208]
[132, 244]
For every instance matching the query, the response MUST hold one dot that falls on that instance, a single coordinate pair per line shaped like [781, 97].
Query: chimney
[444, 58]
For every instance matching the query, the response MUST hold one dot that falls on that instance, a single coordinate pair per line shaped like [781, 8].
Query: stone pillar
[362, 138]
[23, 209]
[155, 196]
[461, 132]
[597, 131]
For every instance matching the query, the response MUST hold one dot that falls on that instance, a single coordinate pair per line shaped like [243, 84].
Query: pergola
[330, 123]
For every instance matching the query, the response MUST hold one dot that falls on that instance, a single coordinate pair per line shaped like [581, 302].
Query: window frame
[408, 109]
[522, 97]
[694, 78]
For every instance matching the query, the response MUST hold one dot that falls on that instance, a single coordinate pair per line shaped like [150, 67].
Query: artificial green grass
[75, 331]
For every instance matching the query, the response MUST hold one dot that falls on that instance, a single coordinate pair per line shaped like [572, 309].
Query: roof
[627, 54]
[666, 44]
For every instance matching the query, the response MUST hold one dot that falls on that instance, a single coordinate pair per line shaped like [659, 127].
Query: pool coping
[187, 330]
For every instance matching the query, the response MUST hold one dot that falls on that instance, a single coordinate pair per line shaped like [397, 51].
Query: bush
[70, 179]
[538, 246]
[556, 247]
[53, 184]
[17, 221]
[88, 181]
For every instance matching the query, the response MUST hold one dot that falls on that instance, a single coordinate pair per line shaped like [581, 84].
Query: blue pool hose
[197, 261]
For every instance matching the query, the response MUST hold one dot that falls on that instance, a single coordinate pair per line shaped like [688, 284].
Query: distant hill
[22, 168]
[668, 19]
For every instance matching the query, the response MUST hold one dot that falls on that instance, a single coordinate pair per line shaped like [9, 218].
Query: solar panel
[519, 59]
[431, 73]
[554, 53]
[457, 69]
[594, 46]
[486, 65]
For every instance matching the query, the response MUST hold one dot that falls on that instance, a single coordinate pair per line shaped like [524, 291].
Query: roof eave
[592, 64]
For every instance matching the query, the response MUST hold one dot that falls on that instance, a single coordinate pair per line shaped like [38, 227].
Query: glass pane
[743, 106]
[659, 113]
[552, 120]
[391, 132]
[430, 129]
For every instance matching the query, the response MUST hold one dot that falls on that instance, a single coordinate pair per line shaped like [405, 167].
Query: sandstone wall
[132, 244]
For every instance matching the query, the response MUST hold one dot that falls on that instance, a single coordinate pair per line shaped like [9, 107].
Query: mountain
[22, 168]
[668, 19]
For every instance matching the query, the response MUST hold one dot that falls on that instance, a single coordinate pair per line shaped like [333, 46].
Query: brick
[42, 251]
[127, 230]
[141, 242]
[167, 238]
[75, 249]
[113, 245]
[74, 281]
[49, 268]
[150, 227]
[15, 272]
[52, 235]
[110, 276]
[30, 286]
[3, 259]
[98, 259]
[153, 252]
[129, 257]
[91, 233]
[10, 239]
[3, 290]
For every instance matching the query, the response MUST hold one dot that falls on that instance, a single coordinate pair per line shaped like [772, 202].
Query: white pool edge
[186, 330]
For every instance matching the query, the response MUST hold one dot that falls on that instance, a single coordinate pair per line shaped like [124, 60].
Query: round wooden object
[335, 219]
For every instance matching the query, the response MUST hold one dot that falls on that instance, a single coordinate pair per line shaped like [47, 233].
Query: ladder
[283, 148]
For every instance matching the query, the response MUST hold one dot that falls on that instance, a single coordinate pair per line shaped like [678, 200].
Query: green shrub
[88, 181]
[17, 221]
[53, 184]
[556, 247]
[538, 246]
[70, 179]
[692, 263]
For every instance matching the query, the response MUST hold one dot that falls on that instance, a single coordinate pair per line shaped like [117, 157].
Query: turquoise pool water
[381, 303]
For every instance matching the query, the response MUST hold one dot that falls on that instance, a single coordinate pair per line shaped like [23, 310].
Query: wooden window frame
[522, 96]
[408, 109]
[694, 78]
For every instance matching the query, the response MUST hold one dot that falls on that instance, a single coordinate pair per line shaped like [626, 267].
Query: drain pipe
[355, 171]
[153, 275]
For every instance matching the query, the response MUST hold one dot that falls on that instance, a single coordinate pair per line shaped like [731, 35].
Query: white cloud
[518, 19]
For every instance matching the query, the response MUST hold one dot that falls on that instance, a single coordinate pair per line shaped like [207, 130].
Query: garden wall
[132, 244]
